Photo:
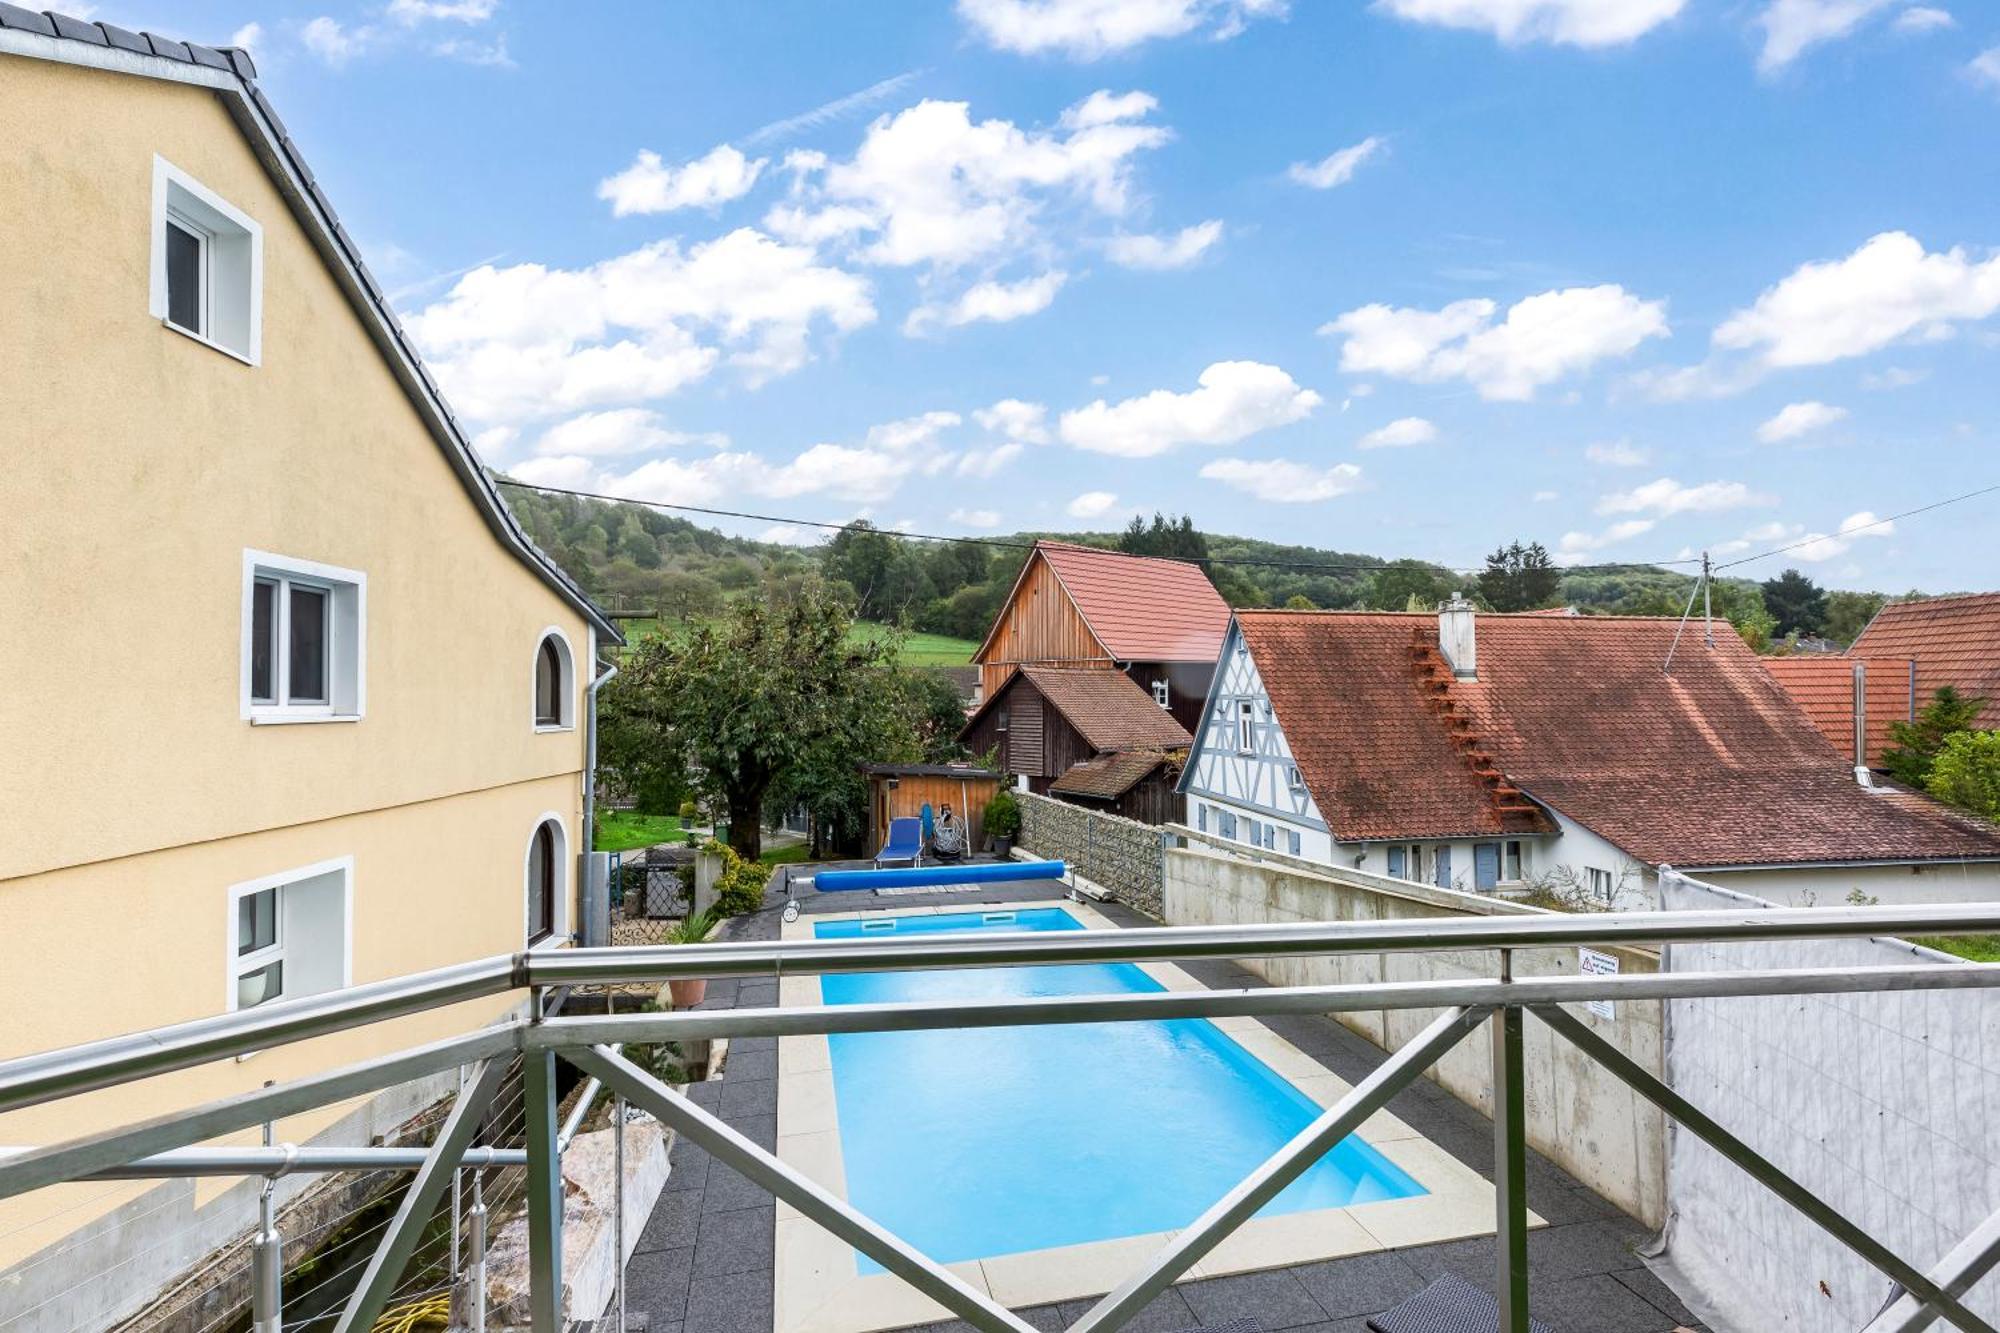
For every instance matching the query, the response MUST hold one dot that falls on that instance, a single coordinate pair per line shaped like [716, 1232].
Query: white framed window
[555, 682]
[304, 640]
[1600, 884]
[208, 266]
[1513, 861]
[1246, 726]
[1293, 778]
[545, 877]
[291, 934]
[1161, 695]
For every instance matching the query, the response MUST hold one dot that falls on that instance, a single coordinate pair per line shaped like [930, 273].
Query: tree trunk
[746, 823]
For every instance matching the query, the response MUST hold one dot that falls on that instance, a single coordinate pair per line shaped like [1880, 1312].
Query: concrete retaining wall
[1122, 855]
[1579, 1116]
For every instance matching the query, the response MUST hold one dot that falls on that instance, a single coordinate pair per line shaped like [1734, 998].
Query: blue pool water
[992, 1141]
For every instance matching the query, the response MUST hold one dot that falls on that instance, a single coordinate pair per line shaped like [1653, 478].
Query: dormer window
[208, 265]
[555, 690]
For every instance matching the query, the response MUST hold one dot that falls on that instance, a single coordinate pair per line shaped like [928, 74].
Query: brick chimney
[1457, 639]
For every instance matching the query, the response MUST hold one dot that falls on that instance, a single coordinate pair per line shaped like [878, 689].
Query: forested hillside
[636, 558]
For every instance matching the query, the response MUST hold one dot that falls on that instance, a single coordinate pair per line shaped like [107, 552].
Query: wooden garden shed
[900, 791]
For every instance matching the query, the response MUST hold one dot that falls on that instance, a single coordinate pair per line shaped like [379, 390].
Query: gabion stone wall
[1120, 854]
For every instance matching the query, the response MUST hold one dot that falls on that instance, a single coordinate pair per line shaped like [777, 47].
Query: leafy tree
[1401, 584]
[1848, 613]
[686, 596]
[938, 714]
[1298, 601]
[1795, 602]
[1917, 743]
[1966, 772]
[773, 697]
[1520, 578]
[1175, 539]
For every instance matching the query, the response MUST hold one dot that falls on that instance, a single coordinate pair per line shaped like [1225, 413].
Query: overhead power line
[1307, 566]
[1859, 527]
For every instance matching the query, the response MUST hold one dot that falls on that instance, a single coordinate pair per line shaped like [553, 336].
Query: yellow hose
[425, 1311]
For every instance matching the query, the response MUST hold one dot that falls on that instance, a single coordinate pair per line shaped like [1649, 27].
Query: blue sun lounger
[905, 845]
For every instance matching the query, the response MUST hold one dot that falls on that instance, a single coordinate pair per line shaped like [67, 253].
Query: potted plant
[1003, 821]
[690, 991]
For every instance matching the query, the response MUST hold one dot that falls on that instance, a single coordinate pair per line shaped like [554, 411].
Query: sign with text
[1591, 963]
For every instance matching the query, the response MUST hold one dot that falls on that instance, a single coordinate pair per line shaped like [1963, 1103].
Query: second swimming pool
[981, 1142]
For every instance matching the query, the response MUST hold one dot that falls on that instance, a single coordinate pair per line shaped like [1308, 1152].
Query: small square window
[1292, 777]
[304, 628]
[208, 265]
[1246, 726]
[1161, 696]
[1512, 871]
[289, 935]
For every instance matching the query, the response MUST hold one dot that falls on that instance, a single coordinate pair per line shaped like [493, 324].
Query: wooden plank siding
[967, 796]
[1038, 743]
[1040, 624]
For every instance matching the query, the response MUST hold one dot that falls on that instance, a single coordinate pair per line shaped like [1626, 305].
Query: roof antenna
[1700, 587]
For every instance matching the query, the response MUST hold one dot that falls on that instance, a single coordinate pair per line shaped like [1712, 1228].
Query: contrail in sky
[837, 109]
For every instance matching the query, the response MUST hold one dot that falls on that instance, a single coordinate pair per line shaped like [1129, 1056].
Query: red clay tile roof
[1713, 764]
[1823, 685]
[1140, 608]
[1953, 640]
[1108, 708]
[1108, 776]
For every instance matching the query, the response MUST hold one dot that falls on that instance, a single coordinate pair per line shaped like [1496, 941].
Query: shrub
[1003, 815]
[741, 886]
[1966, 772]
[688, 811]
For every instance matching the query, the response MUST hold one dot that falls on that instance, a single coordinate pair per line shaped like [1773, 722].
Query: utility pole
[1707, 623]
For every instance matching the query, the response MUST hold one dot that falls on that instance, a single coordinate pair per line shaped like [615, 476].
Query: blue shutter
[1250, 827]
[1271, 836]
[1293, 834]
[1201, 818]
[1395, 862]
[1486, 866]
[1444, 866]
[1225, 824]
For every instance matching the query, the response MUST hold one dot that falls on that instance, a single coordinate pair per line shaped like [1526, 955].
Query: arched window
[546, 863]
[555, 695]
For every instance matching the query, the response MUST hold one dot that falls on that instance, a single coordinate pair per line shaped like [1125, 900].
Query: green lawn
[1973, 948]
[785, 856]
[622, 830]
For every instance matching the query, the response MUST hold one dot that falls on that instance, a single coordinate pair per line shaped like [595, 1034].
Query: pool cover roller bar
[996, 872]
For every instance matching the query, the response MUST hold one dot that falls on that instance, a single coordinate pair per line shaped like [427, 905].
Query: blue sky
[1412, 277]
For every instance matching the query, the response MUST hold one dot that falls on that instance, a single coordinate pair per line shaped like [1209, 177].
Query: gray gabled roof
[232, 76]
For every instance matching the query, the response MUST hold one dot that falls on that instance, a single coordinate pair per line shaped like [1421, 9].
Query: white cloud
[1236, 399]
[837, 471]
[1792, 26]
[494, 441]
[571, 473]
[1924, 18]
[332, 43]
[1887, 290]
[624, 430]
[930, 186]
[1542, 339]
[987, 463]
[1893, 377]
[456, 11]
[1566, 22]
[529, 341]
[828, 112]
[1796, 419]
[1179, 250]
[918, 432]
[651, 186]
[1617, 453]
[1825, 546]
[1336, 168]
[1543, 497]
[1399, 433]
[989, 302]
[1092, 504]
[1281, 481]
[1017, 420]
[1667, 496]
[1089, 29]
[249, 37]
[1575, 545]
[492, 54]
[976, 518]
[1985, 67]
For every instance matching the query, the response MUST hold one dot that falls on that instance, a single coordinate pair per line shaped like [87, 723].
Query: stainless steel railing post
[267, 1257]
[1510, 1162]
[475, 1272]
[545, 1193]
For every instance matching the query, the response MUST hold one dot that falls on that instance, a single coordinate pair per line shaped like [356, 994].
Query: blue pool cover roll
[995, 872]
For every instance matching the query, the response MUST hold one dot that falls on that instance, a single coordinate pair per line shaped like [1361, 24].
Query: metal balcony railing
[157, 1145]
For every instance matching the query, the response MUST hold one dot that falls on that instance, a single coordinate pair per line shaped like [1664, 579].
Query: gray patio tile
[751, 1045]
[743, 1066]
[1558, 1253]
[1597, 1304]
[758, 1096]
[656, 1281]
[1648, 1285]
[672, 1224]
[735, 1242]
[1044, 1317]
[706, 1094]
[759, 1129]
[731, 1303]
[688, 1168]
[728, 1191]
[1358, 1324]
[1363, 1285]
[1276, 1299]
[1168, 1311]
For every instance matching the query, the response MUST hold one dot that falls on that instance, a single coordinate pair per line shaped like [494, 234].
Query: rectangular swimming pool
[977, 1143]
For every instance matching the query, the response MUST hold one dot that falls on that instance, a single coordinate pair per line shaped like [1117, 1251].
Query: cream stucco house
[289, 701]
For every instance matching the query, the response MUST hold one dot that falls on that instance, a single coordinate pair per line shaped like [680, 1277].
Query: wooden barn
[900, 791]
[1085, 735]
[1157, 622]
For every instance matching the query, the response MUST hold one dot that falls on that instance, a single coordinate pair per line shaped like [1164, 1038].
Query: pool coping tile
[819, 1289]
